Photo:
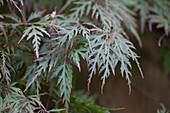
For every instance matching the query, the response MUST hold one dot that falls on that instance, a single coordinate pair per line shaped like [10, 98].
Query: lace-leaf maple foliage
[46, 47]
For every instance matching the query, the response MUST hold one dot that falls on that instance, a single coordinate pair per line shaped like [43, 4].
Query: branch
[65, 6]
[107, 5]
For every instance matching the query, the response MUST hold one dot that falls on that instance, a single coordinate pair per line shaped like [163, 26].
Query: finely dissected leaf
[20, 103]
[36, 32]
[14, 17]
[46, 63]
[74, 55]
[86, 33]
[65, 81]
[127, 16]
[109, 45]
[102, 15]
[143, 12]
[160, 15]
[67, 35]
[35, 15]
[108, 50]
[5, 66]
[84, 6]
[102, 42]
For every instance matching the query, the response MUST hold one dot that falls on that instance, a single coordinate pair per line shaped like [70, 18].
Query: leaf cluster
[38, 47]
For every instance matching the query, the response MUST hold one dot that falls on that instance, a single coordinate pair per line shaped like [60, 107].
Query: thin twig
[107, 5]
[16, 5]
[51, 90]
[3, 30]
[65, 6]
[22, 3]
[146, 94]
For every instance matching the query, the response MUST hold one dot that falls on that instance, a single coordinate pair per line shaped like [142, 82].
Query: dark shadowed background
[147, 93]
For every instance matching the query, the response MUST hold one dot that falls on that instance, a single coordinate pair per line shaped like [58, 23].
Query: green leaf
[163, 110]
[3, 104]
[108, 50]
[84, 6]
[74, 55]
[56, 110]
[44, 64]
[65, 82]
[34, 15]
[36, 32]
[14, 17]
